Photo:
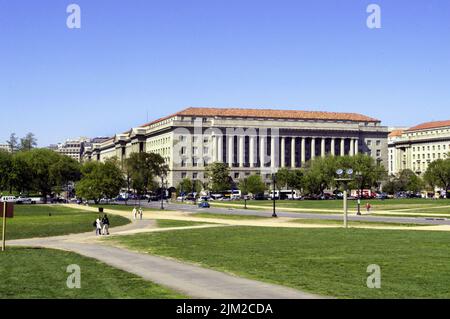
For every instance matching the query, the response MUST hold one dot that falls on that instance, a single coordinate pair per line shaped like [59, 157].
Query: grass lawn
[390, 204]
[41, 273]
[331, 262]
[167, 223]
[351, 222]
[227, 216]
[52, 220]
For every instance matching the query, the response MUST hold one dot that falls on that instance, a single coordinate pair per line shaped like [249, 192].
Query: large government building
[250, 141]
[418, 146]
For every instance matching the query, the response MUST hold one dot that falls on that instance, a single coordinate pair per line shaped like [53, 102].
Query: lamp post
[359, 177]
[274, 214]
[344, 178]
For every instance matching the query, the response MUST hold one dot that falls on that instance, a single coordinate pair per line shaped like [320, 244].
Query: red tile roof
[396, 133]
[430, 125]
[269, 113]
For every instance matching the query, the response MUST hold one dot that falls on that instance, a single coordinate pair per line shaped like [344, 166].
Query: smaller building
[5, 147]
[75, 148]
[415, 148]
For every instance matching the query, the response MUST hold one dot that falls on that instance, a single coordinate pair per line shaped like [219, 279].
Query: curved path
[189, 279]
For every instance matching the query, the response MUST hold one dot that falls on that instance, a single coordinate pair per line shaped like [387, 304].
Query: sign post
[8, 212]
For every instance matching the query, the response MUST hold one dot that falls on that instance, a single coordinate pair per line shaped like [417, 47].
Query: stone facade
[416, 147]
[249, 141]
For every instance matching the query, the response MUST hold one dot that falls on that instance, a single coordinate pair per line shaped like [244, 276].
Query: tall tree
[219, 177]
[438, 174]
[13, 143]
[185, 186]
[367, 172]
[5, 170]
[252, 185]
[320, 174]
[143, 168]
[100, 180]
[28, 142]
[64, 171]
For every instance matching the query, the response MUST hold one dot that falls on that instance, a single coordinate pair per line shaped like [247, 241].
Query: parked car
[204, 204]
[24, 200]
[9, 199]
[381, 196]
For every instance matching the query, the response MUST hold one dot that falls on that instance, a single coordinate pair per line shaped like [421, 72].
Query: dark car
[204, 204]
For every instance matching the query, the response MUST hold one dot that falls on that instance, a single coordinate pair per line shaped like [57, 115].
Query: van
[9, 199]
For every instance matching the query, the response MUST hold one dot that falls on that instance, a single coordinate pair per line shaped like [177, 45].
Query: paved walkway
[189, 279]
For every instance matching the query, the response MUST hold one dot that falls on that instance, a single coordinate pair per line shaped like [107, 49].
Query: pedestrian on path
[134, 212]
[98, 228]
[368, 207]
[105, 222]
[140, 213]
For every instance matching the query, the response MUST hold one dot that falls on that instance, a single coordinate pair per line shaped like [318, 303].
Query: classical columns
[333, 146]
[352, 147]
[262, 151]
[283, 151]
[322, 147]
[273, 150]
[230, 150]
[303, 150]
[313, 147]
[293, 152]
[342, 146]
[219, 153]
[356, 146]
[241, 150]
[252, 151]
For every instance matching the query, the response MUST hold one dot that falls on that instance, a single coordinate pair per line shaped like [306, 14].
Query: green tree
[367, 172]
[409, 181]
[219, 177]
[40, 162]
[252, 184]
[438, 174]
[100, 180]
[28, 142]
[13, 143]
[185, 186]
[5, 170]
[21, 177]
[290, 179]
[320, 174]
[142, 169]
[64, 171]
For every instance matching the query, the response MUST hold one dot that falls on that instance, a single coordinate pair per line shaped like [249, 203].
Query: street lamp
[359, 177]
[274, 214]
[344, 177]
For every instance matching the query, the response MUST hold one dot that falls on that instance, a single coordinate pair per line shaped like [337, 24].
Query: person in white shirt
[134, 212]
[98, 230]
[140, 212]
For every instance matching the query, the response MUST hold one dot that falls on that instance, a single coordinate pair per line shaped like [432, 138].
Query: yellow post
[4, 227]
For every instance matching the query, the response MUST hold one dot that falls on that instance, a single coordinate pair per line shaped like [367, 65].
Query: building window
[183, 175]
[236, 175]
[378, 143]
[194, 175]
[378, 153]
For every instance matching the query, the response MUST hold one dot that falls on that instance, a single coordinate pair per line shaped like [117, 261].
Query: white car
[9, 199]
[24, 200]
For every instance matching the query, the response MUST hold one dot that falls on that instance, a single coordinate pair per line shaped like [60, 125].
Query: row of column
[218, 142]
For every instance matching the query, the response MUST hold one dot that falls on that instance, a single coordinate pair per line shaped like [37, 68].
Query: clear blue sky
[137, 56]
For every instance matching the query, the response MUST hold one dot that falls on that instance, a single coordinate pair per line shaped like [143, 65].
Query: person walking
[368, 207]
[140, 213]
[134, 212]
[105, 222]
[98, 223]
